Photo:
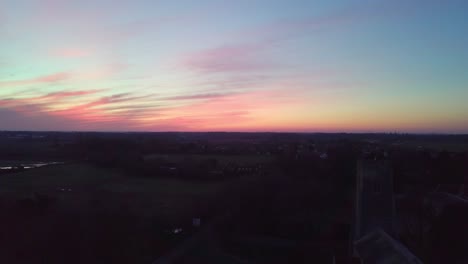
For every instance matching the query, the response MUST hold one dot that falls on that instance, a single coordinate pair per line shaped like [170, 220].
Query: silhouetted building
[374, 204]
[378, 247]
[374, 226]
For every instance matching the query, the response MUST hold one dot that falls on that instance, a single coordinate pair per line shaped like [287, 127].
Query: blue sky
[355, 66]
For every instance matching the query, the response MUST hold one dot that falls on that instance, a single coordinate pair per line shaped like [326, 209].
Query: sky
[244, 65]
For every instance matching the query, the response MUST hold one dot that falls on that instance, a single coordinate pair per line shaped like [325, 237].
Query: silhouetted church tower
[374, 203]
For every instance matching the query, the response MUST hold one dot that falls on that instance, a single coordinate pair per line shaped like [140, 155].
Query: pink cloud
[228, 112]
[82, 74]
[245, 57]
[197, 96]
[51, 78]
[56, 77]
[84, 108]
[206, 112]
[65, 94]
[34, 118]
[19, 120]
[214, 121]
[43, 101]
[89, 115]
[98, 109]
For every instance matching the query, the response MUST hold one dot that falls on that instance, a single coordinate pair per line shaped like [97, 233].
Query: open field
[50, 178]
[82, 181]
[135, 216]
[222, 159]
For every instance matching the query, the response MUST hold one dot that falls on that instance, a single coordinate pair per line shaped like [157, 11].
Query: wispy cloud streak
[51, 78]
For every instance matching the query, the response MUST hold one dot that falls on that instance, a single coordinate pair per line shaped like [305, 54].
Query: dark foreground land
[224, 197]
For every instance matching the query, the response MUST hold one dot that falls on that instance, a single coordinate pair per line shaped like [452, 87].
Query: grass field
[52, 177]
[222, 159]
[130, 214]
[87, 181]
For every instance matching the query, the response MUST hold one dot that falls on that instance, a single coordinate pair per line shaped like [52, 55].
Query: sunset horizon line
[244, 132]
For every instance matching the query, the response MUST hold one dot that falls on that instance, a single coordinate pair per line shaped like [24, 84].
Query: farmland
[137, 216]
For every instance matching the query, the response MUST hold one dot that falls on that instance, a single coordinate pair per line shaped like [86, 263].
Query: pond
[12, 166]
